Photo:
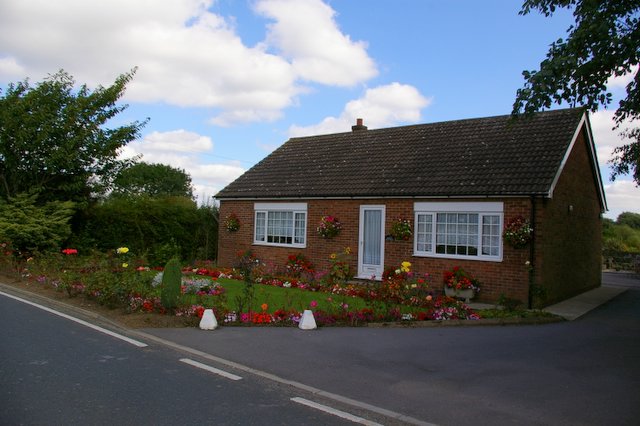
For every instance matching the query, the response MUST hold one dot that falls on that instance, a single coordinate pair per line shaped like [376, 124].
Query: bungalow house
[456, 184]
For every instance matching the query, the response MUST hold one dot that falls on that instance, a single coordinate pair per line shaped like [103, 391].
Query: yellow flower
[122, 250]
[347, 250]
[405, 266]
[124, 265]
[333, 256]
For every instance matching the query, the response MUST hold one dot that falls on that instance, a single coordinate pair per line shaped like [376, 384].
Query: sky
[225, 82]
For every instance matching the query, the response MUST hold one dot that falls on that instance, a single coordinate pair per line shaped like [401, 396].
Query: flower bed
[248, 296]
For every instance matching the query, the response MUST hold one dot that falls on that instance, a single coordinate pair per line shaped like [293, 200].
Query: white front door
[371, 242]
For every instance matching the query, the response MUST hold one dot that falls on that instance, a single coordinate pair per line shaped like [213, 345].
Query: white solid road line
[334, 412]
[210, 369]
[79, 321]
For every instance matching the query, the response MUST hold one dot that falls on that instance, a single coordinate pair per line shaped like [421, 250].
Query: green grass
[515, 313]
[286, 298]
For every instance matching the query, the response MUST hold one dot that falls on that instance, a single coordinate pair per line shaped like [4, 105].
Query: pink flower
[313, 304]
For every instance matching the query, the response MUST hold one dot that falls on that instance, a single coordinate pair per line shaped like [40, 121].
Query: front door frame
[367, 271]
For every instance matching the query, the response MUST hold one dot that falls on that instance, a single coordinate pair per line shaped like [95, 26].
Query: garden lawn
[285, 298]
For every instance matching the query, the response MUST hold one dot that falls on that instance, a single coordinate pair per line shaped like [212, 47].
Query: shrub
[171, 282]
[340, 270]
[161, 228]
[31, 227]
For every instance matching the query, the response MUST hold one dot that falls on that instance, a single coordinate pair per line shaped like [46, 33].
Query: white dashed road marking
[335, 412]
[210, 369]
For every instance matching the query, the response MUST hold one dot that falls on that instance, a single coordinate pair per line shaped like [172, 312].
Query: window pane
[424, 232]
[491, 235]
[372, 250]
[457, 233]
[300, 228]
[281, 227]
[260, 226]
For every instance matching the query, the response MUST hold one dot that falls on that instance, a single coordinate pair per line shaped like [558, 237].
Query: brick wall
[509, 277]
[569, 236]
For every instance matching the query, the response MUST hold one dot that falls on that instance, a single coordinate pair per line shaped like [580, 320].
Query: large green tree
[604, 42]
[55, 139]
[630, 219]
[153, 180]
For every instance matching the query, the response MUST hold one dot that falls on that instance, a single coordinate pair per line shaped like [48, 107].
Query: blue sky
[225, 82]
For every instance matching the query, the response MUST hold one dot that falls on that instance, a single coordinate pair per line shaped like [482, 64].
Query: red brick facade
[566, 247]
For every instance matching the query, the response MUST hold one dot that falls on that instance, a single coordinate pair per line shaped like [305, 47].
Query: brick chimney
[359, 126]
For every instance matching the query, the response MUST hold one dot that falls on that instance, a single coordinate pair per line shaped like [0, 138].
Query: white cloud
[602, 121]
[605, 138]
[306, 32]
[621, 81]
[184, 150]
[622, 196]
[186, 55]
[177, 141]
[10, 69]
[383, 106]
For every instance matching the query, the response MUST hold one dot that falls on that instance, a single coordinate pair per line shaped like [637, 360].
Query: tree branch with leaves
[603, 43]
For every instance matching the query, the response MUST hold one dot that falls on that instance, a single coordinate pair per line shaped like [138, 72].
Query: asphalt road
[583, 372]
[56, 372]
[621, 279]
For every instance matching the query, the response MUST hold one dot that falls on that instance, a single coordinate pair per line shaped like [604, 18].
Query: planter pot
[465, 294]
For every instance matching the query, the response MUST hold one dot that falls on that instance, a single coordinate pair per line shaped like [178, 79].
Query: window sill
[459, 257]
[296, 246]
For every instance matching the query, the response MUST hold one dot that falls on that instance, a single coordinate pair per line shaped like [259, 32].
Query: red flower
[69, 251]
[147, 306]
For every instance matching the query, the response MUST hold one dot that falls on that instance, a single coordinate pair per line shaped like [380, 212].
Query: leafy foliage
[30, 227]
[632, 220]
[620, 235]
[55, 140]
[604, 42]
[153, 180]
[162, 227]
[621, 242]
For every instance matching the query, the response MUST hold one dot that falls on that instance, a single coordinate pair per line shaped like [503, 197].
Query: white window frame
[265, 210]
[482, 209]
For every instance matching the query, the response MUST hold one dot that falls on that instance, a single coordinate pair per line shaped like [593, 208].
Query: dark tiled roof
[478, 157]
